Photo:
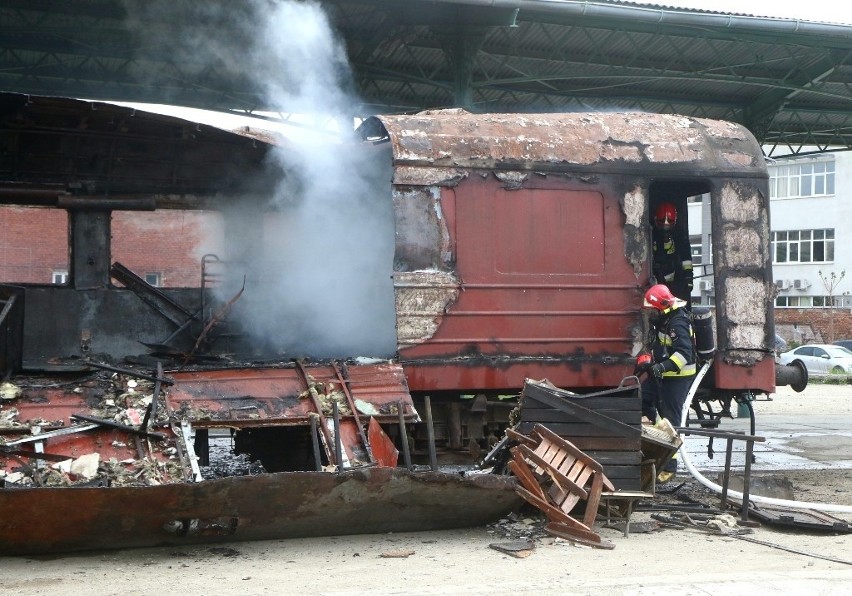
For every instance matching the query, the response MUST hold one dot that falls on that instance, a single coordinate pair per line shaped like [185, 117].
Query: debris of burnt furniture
[660, 442]
[606, 425]
[555, 477]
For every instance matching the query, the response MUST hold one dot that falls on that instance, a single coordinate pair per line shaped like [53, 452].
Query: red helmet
[659, 297]
[665, 215]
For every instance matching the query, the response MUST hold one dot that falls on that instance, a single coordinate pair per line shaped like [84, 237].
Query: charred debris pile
[121, 426]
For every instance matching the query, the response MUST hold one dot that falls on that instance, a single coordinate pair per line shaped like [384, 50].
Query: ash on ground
[529, 523]
[225, 463]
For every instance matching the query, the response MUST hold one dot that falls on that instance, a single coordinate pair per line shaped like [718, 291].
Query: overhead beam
[805, 77]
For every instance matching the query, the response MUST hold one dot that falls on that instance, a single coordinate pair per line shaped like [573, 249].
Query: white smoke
[317, 256]
[324, 287]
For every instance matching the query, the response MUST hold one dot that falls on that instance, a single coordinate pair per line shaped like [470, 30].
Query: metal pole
[726, 475]
[338, 445]
[433, 457]
[406, 456]
[747, 479]
[315, 441]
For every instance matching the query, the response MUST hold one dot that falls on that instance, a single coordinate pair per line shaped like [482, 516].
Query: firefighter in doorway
[672, 257]
[670, 362]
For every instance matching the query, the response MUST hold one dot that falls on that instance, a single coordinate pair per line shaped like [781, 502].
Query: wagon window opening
[33, 245]
[165, 247]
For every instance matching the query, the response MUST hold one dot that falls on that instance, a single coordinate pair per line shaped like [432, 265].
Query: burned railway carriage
[523, 244]
[516, 247]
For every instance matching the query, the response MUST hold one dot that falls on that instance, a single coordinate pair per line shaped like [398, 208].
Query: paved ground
[808, 437]
[808, 430]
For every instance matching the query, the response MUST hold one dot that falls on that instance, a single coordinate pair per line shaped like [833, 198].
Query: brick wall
[796, 321]
[34, 244]
[169, 243]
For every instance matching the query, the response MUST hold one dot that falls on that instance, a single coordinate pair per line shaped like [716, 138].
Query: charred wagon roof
[570, 141]
[53, 146]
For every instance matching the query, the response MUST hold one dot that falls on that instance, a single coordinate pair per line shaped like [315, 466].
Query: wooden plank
[525, 475]
[588, 444]
[579, 412]
[521, 438]
[630, 403]
[561, 531]
[624, 458]
[594, 500]
[553, 415]
[575, 431]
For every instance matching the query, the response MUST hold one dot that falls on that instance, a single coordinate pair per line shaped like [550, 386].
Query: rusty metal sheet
[249, 397]
[758, 375]
[455, 138]
[266, 506]
[384, 451]
[809, 519]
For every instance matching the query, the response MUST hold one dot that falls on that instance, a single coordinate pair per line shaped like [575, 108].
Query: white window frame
[795, 180]
[802, 243]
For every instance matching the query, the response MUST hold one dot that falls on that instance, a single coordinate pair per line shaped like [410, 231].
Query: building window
[794, 301]
[813, 301]
[153, 279]
[803, 246]
[59, 277]
[811, 179]
[696, 253]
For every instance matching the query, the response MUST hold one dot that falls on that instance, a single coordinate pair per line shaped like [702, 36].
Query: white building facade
[811, 229]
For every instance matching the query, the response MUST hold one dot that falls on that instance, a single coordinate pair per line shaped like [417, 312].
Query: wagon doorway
[681, 239]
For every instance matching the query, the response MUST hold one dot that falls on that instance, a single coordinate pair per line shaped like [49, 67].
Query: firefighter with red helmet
[671, 366]
[672, 256]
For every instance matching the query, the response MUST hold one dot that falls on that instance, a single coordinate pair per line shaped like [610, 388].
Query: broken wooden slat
[566, 484]
[521, 469]
[561, 531]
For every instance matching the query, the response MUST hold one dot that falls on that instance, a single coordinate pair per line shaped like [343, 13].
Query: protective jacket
[672, 262]
[673, 343]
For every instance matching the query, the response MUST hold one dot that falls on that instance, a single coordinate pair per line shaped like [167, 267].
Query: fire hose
[827, 507]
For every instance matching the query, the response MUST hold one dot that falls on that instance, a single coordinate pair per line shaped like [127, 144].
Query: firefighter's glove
[657, 370]
[643, 364]
[642, 368]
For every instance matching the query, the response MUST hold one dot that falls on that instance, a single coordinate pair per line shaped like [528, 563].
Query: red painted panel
[543, 274]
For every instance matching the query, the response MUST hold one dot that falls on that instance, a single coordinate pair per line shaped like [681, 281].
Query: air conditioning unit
[705, 285]
[782, 284]
[801, 284]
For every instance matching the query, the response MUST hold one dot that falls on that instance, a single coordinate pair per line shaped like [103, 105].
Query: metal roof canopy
[788, 81]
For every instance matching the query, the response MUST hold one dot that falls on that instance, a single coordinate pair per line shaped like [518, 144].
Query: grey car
[846, 343]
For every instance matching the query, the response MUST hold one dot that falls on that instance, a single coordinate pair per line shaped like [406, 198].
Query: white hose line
[828, 507]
